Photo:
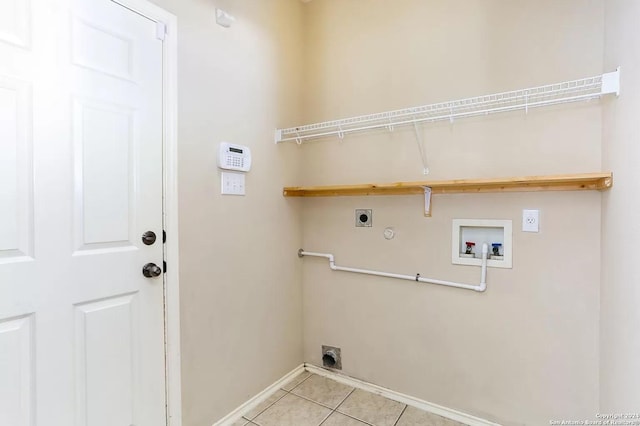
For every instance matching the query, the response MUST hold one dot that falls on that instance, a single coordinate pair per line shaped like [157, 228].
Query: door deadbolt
[148, 238]
[151, 270]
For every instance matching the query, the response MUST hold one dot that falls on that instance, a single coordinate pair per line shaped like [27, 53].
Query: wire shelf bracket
[535, 97]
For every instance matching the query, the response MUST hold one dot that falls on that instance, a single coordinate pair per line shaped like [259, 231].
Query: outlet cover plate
[530, 220]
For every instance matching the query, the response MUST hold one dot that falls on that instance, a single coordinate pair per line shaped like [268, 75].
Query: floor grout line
[345, 398]
[304, 380]
[331, 411]
[400, 416]
[269, 406]
[361, 420]
[315, 402]
[301, 382]
[340, 403]
[335, 410]
[321, 423]
[286, 392]
[355, 418]
[324, 405]
[326, 418]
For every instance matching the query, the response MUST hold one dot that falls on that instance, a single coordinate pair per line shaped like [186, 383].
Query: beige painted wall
[620, 294]
[524, 352]
[240, 284]
[527, 350]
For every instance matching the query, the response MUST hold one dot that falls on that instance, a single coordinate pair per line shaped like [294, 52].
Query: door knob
[149, 238]
[151, 270]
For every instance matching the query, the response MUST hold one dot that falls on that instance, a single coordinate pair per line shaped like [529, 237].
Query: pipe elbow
[481, 288]
[332, 262]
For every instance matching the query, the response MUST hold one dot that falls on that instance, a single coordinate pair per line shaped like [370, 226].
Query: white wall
[239, 276]
[620, 291]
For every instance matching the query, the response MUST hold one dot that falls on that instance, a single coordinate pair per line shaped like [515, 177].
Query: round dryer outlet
[364, 218]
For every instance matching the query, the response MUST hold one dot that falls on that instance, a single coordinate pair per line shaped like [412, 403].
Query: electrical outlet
[530, 220]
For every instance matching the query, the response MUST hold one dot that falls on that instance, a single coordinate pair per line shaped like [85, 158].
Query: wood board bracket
[427, 201]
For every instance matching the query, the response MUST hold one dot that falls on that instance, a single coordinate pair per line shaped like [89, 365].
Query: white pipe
[480, 287]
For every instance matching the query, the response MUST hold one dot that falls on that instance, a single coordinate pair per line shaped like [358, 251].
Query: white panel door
[81, 328]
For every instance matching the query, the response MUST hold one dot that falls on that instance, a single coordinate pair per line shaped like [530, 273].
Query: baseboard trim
[236, 414]
[405, 399]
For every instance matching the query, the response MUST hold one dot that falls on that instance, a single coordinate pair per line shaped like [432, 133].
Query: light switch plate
[232, 183]
[530, 220]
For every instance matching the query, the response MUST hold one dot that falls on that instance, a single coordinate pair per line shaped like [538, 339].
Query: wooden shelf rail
[570, 182]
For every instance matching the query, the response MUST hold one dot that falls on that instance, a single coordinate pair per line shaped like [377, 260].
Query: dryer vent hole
[331, 357]
[329, 360]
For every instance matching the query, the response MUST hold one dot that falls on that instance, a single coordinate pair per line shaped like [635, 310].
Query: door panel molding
[106, 338]
[15, 28]
[16, 172]
[96, 198]
[172, 289]
[89, 38]
[17, 371]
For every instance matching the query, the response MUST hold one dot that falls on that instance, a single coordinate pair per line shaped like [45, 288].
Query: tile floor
[312, 400]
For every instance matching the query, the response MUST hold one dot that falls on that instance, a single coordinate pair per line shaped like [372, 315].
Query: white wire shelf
[552, 94]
